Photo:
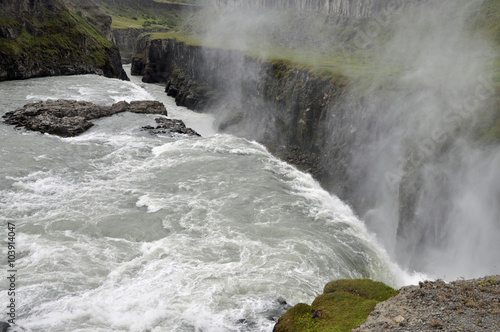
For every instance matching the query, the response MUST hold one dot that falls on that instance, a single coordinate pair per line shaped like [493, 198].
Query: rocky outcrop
[45, 38]
[68, 118]
[463, 305]
[170, 127]
[344, 304]
[195, 76]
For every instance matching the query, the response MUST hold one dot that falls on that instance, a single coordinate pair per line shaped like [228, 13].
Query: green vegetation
[144, 22]
[121, 22]
[343, 305]
[312, 39]
[58, 39]
[487, 20]
[311, 42]
[142, 16]
[178, 36]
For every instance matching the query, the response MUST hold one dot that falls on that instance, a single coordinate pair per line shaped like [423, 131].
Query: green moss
[344, 305]
[298, 319]
[146, 16]
[365, 288]
[58, 39]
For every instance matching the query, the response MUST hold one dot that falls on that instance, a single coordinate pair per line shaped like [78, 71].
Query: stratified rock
[68, 118]
[170, 127]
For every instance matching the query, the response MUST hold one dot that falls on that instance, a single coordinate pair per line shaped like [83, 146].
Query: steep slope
[45, 38]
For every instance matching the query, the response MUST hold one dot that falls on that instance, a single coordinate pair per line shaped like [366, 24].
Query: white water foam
[121, 230]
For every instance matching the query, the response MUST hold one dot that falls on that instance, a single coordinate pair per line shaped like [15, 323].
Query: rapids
[119, 230]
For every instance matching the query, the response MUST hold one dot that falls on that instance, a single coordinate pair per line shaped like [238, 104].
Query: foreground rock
[465, 305]
[343, 305]
[68, 118]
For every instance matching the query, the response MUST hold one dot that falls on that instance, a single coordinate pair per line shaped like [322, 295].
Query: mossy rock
[366, 288]
[343, 305]
[55, 40]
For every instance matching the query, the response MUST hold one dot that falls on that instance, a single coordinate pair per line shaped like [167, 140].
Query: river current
[121, 230]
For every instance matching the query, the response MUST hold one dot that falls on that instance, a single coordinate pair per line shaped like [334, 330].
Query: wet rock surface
[68, 118]
[170, 127]
[464, 305]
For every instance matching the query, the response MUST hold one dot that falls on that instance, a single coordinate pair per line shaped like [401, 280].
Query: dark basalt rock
[171, 127]
[4, 326]
[68, 118]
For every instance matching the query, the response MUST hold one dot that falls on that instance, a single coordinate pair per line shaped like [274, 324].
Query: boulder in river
[171, 127]
[68, 118]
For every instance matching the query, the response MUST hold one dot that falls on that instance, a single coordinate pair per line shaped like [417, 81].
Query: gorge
[388, 109]
[407, 139]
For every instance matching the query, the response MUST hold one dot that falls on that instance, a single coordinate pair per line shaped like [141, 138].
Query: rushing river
[121, 230]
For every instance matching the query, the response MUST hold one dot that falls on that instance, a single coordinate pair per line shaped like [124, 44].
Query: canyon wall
[274, 102]
[349, 8]
[126, 40]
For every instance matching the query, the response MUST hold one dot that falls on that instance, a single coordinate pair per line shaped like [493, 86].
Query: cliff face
[44, 38]
[126, 40]
[349, 8]
[274, 102]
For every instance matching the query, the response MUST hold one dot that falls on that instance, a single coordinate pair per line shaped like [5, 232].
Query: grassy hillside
[147, 14]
